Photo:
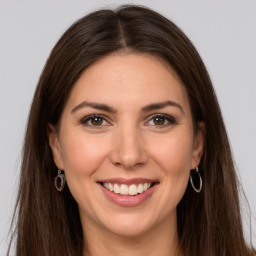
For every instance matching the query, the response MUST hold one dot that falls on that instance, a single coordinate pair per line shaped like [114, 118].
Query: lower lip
[126, 200]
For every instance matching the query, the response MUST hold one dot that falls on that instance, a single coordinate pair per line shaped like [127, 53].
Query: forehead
[127, 79]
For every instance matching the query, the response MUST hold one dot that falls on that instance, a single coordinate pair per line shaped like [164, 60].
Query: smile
[124, 189]
[128, 192]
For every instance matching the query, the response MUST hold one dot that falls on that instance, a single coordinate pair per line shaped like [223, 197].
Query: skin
[128, 143]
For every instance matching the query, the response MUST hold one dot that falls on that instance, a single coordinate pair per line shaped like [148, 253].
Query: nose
[128, 150]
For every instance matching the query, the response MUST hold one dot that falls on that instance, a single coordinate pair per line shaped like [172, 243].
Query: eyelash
[171, 120]
[85, 120]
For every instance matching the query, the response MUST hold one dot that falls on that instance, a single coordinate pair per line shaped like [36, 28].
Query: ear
[198, 146]
[55, 145]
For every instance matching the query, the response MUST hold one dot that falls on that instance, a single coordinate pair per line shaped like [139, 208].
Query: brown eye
[97, 121]
[94, 121]
[159, 120]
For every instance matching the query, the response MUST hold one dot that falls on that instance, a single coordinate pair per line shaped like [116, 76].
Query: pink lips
[128, 200]
[127, 181]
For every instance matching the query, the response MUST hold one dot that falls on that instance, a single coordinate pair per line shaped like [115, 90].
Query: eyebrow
[160, 105]
[150, 107]
[94, 105]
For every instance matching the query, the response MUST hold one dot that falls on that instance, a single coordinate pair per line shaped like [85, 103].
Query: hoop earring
[60, 181]
[198, 190]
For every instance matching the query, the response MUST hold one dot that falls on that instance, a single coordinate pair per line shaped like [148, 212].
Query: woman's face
[127, 127]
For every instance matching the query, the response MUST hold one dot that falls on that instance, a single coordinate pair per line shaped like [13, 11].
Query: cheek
[174, 154]
[82, 154]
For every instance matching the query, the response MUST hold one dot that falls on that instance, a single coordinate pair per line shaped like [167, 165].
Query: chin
[132, 225]
[129, 230]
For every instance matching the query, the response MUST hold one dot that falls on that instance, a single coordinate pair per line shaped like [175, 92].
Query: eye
[161, 120]
[95, 120]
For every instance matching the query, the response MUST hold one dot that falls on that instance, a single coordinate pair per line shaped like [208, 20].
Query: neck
[160, 240]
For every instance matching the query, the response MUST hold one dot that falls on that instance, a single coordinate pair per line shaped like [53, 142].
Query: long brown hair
[48, 222]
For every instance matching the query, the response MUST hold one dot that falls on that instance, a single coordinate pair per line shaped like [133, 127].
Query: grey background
[224, 33]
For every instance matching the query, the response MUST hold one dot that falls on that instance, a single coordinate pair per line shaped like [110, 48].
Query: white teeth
[140, 188]
[133, 190]
[116, 189]
[110, 187]
[124, 189]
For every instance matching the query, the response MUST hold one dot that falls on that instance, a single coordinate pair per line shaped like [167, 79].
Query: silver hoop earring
[60, 181]
[198, 190]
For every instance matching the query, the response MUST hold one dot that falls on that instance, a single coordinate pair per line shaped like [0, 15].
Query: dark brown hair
[48, 222]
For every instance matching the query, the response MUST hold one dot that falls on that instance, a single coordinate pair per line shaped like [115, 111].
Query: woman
[126, 152]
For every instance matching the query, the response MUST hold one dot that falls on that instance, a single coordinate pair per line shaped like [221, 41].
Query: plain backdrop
[224, 32]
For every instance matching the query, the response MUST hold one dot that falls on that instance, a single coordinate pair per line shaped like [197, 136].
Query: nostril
[129, 154]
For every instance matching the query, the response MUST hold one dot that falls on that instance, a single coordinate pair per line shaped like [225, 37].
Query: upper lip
[127, 181]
